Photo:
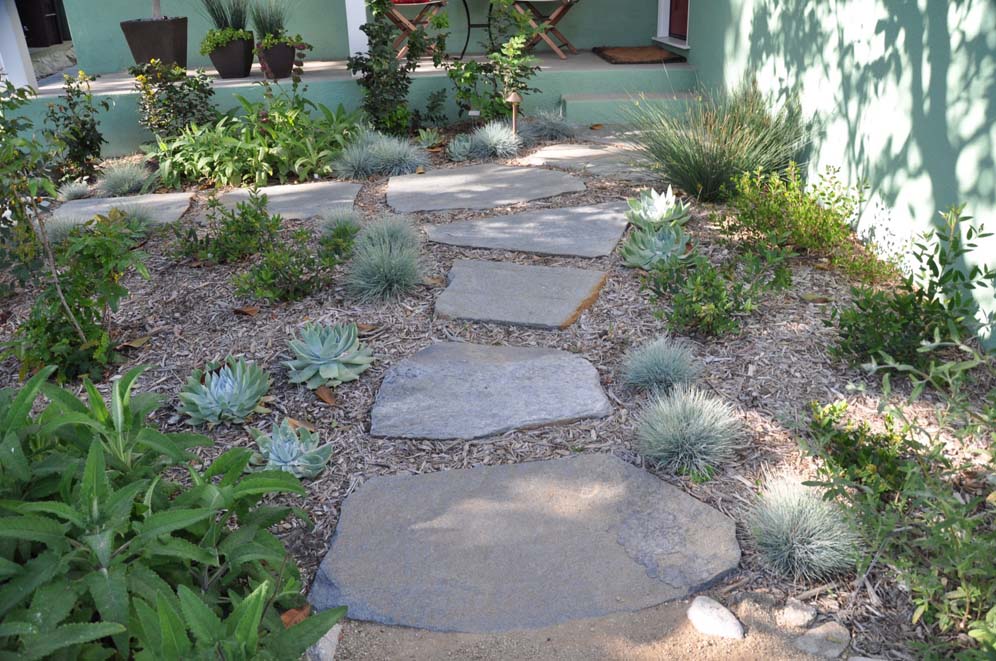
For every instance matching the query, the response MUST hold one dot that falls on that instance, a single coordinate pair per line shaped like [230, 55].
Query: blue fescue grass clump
[546, 126]
[494, 140]
[688, 432]
[122, 179]
[660, 365]
[375, 154]
[800, 535]
[73, 190]
[386, 263]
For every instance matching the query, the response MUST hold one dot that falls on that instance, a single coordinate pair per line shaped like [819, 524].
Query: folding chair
[428, 9]
[547, 23]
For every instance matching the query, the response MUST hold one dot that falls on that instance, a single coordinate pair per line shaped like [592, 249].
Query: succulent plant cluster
[229, 392]
[328, 355]
[296, 451]
[646, 248]
[652, 210]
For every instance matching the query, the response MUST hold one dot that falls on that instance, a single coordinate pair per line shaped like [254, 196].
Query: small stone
[714, 619]
[325, 648]
[828, 640]
[796, 614]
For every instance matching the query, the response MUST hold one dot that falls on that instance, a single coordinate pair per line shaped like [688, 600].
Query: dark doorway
[43, 22]
[678, 20]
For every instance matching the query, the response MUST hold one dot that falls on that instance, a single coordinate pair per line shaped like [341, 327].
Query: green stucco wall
[905, 91]
[101, 47]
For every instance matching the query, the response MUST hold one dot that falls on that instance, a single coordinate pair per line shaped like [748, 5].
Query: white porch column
[14, 58]
[356, 15]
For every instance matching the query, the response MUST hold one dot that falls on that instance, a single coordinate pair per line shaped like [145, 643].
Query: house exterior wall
[905, 91]
[101, 48]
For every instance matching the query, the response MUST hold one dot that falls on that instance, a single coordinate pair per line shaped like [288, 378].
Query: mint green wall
[101, 47]
[905, 91]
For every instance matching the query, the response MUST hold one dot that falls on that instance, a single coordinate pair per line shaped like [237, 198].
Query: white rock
[828, 640]
[795, 614]
[324, 649]
[714, 619]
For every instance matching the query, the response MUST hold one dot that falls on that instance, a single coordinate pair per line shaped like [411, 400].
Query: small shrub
[546, 126]
[484, 86]
[688, 432]
[460, 148]
[74, 190]
[375, 154]
[328, 356]
[800, 535]
[122, 179]
[495, 140]
[169, 100]
[73, 128]
[386, 261]
[660, 365]
[229, 392]
[719, 136]
[232, 234]
[289, 270]
[339, 229]
[295, 451]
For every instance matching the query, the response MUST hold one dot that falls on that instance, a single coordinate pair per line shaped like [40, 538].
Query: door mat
[637, 55]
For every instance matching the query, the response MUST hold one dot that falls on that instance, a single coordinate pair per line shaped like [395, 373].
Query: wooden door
[678, 21]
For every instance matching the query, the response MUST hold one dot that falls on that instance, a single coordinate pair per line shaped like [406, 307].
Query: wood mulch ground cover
[187, 315]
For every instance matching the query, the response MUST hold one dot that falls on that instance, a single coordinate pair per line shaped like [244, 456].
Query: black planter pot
[162, 39]
[233, 60]
[277, 61]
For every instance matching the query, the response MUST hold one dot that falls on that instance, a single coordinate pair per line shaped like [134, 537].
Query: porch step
[612, 108]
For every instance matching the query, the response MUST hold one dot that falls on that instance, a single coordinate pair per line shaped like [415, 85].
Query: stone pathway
[160, 207]
[486, 186]
[520, 546]
[466, 391]
[521, 295]
[299, 200]
[591, 231]
[617, 161]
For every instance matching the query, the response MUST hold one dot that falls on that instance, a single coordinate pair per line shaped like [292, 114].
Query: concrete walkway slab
[467, 391]
[601, 160]
[160, 207]
[536, 296]
[591, 231]
[500, 548]
[486, 186]
[299, 200]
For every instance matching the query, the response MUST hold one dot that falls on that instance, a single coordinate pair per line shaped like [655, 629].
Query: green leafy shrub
[933, 303]
[288, 270]
[122, 179]
[495, 140]
[69, 323]
[72, 127]
[460, 148]
[688, 432]
[74, 190]
[546, 126]
[113, 558]
[484, 86]
[660, 365]
[328, 356]
[169, 100]
[295, 451]
[386, 260]
[230, 392]
[653, 210]
[646, 248]
[800, 535]
[376, 154]
[231, 234]
[284, 136]
[718, 137]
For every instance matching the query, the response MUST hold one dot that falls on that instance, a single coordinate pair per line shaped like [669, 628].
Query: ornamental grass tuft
[660, 365]
[386, 263]
[375, 154]
[122, 179]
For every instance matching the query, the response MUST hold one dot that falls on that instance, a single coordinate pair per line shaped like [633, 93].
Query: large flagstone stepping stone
[601, 160]
[591, 231]
[484, 186]
[465, 391]
[551, 297]
[159, 207]
[522, 546]
[299, 200]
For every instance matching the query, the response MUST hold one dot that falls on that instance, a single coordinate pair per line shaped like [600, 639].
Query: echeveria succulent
[230, 392]
[293, 451]
[328, 355]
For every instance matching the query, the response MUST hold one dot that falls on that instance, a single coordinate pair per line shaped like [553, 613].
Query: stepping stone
[522, 546]
[537, 296]
[466, 391]
[591, 231]
[160, 207]
[477, 187]
[299, 200]
[600, 160]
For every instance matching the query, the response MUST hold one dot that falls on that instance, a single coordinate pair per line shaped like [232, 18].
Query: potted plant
[159, 38]
[228, 43]
[278, 52]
